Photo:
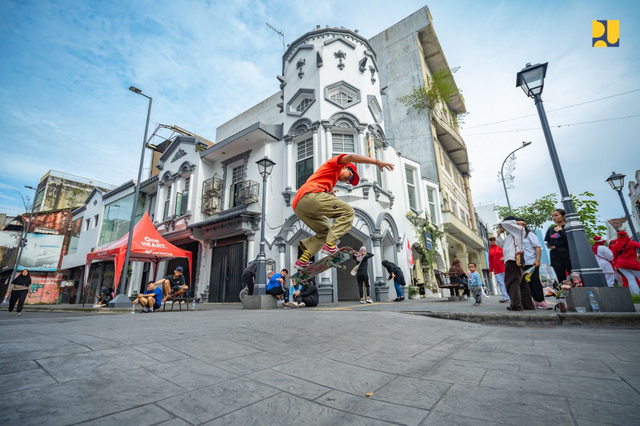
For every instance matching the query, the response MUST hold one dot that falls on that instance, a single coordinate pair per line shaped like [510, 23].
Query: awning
[147, 245]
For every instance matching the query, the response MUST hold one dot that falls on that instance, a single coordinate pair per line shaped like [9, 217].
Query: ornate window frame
[300, 95]
[347, 88]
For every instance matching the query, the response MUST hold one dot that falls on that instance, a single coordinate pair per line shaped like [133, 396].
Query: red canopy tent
[147, 245]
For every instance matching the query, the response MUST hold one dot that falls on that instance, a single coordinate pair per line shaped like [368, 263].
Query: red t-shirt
[323, 180]
[495, 264]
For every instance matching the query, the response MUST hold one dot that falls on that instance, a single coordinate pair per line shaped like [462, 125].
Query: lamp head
[135, 90]
[525, 144]
[265, 166]
[531, 79]
[616, 180]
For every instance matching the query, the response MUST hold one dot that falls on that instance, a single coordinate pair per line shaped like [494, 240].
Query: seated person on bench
[173, 285]
[150, 299]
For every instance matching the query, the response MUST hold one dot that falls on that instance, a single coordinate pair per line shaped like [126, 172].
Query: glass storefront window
[116, 218]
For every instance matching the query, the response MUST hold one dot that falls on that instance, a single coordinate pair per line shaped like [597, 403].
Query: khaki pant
[315, 210]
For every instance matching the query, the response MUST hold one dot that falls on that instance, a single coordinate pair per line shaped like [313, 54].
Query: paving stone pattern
[312, 367]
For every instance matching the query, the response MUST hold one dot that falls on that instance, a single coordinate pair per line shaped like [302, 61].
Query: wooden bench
[443, 282]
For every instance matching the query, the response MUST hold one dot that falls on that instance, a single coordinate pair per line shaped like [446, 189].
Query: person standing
[475, 284]
[628, 260]
[249, 276]
[604, 256]
[19, 290]
[513, 250]
[362, 276]
[496, 267]
[556, 240]
[532, 254]
[398, 278]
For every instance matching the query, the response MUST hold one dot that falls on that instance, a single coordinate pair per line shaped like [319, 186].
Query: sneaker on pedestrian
[301, 305]
[301, 265]
[476, 304]
[369, 300]
[291, 304]
[503, 300]
[362, 301]
[330, 249]
[151, 309]
[544, 305]
[479, 303]
[19, 314]
[145, 310]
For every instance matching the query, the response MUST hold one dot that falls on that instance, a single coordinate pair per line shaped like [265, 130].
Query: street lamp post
[121, 300]
[524, 145]
[531, 80]
[616, 180]
[260, 289]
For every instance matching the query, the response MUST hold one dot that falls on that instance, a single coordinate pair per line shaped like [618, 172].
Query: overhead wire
[553, 110]
[523, 130]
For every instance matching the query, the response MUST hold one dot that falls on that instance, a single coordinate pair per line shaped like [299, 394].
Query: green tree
[537, 213]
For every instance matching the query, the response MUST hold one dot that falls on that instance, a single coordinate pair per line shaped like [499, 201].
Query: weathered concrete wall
[401, 69]
[266, 112]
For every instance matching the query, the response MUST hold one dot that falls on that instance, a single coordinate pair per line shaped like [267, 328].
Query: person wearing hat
[173, 285]
[627, 260]
[604, 256]
[315, 203]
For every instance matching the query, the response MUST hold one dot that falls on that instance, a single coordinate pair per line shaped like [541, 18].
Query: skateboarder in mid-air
[315, 203]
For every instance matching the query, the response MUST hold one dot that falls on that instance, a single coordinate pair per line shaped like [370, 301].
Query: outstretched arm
[355, 158]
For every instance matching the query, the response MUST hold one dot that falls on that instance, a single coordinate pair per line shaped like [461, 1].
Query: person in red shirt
[315, 203]
[496, 267]
[627, 260]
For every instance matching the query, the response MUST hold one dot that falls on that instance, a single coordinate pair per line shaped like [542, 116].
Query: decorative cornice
[181, 153]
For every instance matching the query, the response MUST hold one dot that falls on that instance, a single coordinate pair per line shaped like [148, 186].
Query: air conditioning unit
[249, 192]
[212, 186]
[210, 205]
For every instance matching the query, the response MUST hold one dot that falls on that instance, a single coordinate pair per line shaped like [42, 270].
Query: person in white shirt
[604, 256]
[512, 244]
[532, 253]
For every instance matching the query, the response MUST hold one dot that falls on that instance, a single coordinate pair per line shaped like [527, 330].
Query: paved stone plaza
[226, 366]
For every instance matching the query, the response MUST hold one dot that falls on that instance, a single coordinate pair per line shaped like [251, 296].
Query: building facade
[634, 197]
[57, 190]
[207, 200]
[409, 53]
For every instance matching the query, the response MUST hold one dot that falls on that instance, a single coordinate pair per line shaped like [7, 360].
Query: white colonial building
[207, 200]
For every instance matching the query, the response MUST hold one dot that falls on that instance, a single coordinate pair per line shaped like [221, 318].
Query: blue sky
[66, 67]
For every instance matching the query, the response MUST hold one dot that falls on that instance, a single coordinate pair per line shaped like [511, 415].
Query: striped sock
[305, 256]
[331, 245]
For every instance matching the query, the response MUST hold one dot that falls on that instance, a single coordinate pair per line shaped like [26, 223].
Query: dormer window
[302, 106]
[301, 102]
[342, 94]
[341, 98]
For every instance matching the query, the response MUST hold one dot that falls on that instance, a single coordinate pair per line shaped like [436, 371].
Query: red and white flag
[409, 253]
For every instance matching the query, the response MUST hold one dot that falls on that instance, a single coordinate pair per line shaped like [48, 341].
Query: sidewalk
[491, 312]
[343, 365]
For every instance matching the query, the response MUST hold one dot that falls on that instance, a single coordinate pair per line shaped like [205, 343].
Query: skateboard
[335, 260]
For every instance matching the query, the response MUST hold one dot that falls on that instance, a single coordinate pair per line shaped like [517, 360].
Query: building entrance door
[227, 265]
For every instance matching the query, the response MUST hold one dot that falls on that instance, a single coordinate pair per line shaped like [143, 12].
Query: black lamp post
[121, 300]
[524, 145]
[616, 180]
[265, 166]
[531, 80]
